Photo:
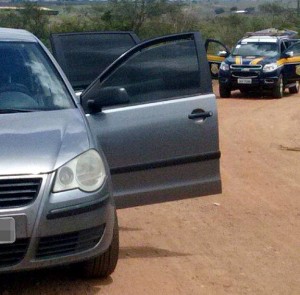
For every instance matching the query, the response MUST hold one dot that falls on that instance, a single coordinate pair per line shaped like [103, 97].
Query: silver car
[144, 131]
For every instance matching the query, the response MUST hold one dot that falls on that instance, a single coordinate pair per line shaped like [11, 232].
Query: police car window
[296, 49]
[256, 49]
[159, 72]
[214, 48]
[289, 43]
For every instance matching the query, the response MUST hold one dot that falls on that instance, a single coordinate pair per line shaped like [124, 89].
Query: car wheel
[225, 91]
[279, 88]
[103, 265]
[295, 88]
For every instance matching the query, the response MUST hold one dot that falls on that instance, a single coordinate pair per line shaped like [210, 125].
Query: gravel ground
[243, 241]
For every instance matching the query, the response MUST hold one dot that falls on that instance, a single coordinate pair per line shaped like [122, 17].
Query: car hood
[40, 142]
[250, 60]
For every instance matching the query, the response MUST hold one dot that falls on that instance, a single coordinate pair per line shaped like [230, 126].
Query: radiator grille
[18, 192]
[71, 243]
[245, 74]
[242, 67]
[11, 254]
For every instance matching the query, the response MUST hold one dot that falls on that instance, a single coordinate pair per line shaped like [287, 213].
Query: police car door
[292, 63]
[216, 53]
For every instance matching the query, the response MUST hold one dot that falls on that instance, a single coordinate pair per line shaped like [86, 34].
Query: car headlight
[86, 172]
[224, 66]
[270, 67]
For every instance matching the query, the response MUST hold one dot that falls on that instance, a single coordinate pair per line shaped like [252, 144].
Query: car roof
[16, 35]
[270, 35]
[267, 39]
[272, 32]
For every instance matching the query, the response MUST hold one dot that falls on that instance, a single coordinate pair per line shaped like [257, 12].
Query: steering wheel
[15, 87]
[16, 95]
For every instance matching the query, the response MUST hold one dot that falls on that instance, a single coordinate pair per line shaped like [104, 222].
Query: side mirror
[78, 93]
[223, 53]
[288, 54]
[108, 96]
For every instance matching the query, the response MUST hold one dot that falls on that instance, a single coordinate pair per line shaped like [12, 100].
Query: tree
[271, 8]
[132, 14]
[29, 17]
[33, 19]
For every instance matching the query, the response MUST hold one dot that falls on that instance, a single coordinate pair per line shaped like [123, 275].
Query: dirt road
[244, 241]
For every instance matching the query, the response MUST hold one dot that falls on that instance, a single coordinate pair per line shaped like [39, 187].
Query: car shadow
[148, 252]
[64, 279]
[247, 96]
[258, 95]
[58, 280]
[251, 95]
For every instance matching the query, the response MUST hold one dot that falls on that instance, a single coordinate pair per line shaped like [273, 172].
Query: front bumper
[259, 80]
[59, 228]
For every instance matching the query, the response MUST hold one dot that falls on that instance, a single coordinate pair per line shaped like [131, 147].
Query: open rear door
[156, 121]
[85, 55]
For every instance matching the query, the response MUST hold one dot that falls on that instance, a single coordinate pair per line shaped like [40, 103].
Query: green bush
[149, 18]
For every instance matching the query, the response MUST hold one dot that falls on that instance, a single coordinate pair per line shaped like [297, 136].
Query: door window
[296, 49]
[158, 72]
[214, 48]
[216, 52]
[83, 56]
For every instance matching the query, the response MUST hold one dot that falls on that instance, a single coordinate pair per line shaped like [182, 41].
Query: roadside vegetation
[149, 18]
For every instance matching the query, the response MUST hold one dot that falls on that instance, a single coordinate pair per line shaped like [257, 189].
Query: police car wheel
[295, 88]
[279, 88]
[225, 92]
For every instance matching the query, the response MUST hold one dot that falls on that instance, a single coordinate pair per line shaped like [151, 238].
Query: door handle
[200, 115]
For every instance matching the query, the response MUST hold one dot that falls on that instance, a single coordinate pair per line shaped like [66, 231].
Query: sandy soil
[244, 241]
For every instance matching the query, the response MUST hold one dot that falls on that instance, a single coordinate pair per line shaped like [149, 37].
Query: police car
[267, 60]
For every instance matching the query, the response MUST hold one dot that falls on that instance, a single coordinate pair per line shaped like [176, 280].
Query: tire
[225, 92]
[279, 88]
[294, 89]
[103, 265]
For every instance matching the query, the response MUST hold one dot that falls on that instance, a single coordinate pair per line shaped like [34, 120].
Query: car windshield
[256, 49]
[29, 81]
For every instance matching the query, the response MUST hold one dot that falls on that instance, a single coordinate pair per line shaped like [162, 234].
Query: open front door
[292, 64]
[216, 53]
[161, 140]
